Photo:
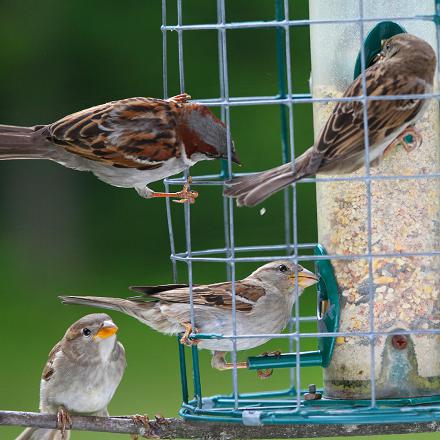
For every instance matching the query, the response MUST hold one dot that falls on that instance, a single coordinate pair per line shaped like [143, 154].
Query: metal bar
[309, 257]
[187, 221]
[229, 221]
[369, 210]
[183, 377]
[286, 335]
[164, 50]
[201, 182]
[196, 376]
[304, 98]
[282, 90]
[290, 23]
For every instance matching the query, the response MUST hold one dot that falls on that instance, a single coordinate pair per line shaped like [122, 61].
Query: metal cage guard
[289, 405]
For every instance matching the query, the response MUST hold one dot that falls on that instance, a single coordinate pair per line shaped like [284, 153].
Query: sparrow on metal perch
[128, 143]
[406, 66]
[263, 300]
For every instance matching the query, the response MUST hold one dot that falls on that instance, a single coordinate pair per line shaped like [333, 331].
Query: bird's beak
[108, 329]
[235, 158]
[378, 57]
[305, 278]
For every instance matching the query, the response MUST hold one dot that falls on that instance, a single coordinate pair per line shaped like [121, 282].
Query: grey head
[205, 134]
[283, 274]
[92, 337]
[414, 55]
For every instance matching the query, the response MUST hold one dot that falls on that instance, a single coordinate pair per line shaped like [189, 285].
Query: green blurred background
[64, 232]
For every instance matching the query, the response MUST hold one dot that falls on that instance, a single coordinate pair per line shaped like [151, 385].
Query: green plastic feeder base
[281, 408]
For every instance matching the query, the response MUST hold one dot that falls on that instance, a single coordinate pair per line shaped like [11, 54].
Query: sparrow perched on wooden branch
[81, 375]
[128, 143]
[264, 303]
[405, 66]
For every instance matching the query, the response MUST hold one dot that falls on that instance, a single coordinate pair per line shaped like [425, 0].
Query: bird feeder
[377, 317]
[386, 228]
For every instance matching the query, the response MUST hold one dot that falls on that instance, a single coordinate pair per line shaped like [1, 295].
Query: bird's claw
[187, 196]
[147, 428]
[64, 420]
[181, 98]
[264, 374]
[185, 340]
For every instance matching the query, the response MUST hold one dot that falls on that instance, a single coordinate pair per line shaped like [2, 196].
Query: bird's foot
[230, 365]
[185, 340]
[410, 139]
[264, 374]
[184, 196]
[219, 362]
[181, 98]
[63, 420]
[147, 428]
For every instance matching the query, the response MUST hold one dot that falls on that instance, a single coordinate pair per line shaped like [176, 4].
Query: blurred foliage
[64, 232]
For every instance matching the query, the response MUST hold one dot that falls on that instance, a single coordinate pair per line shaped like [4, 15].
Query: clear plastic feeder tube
[405, 219]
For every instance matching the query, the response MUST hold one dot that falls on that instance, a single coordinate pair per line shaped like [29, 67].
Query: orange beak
[108, 329]
[305, 278]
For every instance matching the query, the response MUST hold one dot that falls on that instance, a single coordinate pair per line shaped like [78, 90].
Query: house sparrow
[264, 303]
[406, 66]
[81, 375]
[127, 143]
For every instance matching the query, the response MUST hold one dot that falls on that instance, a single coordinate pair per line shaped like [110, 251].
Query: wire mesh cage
[380, 362]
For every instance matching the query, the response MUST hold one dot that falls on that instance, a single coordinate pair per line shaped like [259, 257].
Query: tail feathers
[252, 190]
[118, 304]
[22, 143]
[42, 434]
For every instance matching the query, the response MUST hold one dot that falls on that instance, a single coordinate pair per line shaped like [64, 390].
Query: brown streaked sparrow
[128, 143]
[406, 66]
[81, 374]
[264, 303]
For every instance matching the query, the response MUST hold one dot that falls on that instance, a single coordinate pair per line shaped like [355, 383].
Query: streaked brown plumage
[406, 66]
[264, 303]
[126, 143]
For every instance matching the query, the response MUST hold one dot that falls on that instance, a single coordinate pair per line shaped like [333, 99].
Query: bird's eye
[388, 46]
[283, 268]
[86, 332]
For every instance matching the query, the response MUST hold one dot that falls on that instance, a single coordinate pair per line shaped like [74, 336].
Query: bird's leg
[182, 98]
[63, 420]
[264, 374]
[147, 428]
[185, 337]
[218, 362]
[184, 196]
[410, 138]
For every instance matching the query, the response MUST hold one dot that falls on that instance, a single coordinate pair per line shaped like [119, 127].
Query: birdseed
[405, 217]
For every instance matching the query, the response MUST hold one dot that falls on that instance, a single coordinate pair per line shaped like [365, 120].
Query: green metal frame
[288, 406]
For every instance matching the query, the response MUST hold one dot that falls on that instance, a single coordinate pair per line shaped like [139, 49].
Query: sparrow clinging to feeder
[264, 303]
[128, 143]
[405, 66]
[81, 375]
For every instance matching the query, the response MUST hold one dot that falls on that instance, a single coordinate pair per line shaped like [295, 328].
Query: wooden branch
[177, 428]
